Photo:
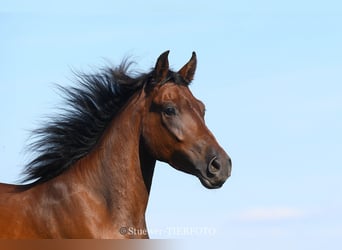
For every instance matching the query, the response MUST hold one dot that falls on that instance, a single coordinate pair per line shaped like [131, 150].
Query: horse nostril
[214, 166]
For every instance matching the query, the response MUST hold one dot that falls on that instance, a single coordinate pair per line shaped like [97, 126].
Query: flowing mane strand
[90, 106]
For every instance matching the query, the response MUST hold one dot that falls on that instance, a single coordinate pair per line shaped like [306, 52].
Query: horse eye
[169, 111]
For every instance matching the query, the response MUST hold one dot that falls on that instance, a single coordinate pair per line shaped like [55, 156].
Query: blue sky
[269, 73]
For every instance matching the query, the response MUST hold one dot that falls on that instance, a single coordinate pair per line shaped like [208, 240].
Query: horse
[92, 170]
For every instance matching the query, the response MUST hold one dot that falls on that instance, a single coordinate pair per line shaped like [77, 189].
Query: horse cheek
[174, 126]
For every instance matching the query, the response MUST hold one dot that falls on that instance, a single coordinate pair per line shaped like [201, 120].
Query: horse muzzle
[216, 172]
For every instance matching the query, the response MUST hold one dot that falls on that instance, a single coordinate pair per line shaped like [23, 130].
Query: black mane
[90, 106]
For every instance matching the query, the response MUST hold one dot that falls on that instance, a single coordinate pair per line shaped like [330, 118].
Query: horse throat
[147, 164]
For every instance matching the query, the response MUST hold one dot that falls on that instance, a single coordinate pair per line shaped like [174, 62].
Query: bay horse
[92, 170]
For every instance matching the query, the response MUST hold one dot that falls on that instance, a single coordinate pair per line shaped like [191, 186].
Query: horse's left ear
[188, 70]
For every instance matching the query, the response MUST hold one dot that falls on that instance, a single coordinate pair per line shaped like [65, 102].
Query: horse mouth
[209, 184]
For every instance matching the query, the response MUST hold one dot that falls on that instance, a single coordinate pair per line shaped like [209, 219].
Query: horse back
[9, 188]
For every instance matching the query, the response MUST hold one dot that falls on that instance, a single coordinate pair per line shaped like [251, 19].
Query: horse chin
[208, 184]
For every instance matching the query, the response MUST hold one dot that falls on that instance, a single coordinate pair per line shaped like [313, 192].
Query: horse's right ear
[162, 67]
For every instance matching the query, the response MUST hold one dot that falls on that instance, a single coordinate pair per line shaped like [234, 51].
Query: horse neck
[119, 170]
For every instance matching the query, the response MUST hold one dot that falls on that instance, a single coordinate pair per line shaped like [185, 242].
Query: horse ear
[188, 70]
[162, 67]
